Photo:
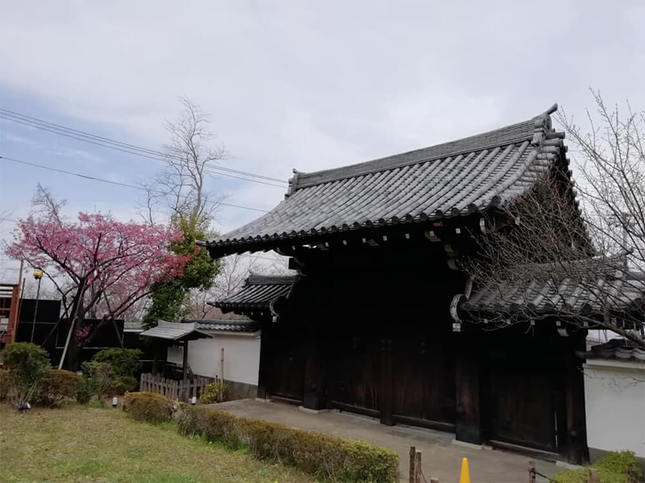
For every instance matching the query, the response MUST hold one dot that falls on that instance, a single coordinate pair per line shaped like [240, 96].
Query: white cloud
[307, 85]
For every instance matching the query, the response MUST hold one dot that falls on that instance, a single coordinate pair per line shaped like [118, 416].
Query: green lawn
[85, 444]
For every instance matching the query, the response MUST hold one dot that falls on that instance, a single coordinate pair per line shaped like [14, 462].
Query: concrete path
[441, 457]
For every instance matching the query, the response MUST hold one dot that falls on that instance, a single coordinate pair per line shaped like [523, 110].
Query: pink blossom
[105, 259]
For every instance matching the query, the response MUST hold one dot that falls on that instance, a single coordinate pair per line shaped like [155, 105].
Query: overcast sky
[290, 84]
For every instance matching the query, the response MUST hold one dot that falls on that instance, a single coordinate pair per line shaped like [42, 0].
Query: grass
[79, 443]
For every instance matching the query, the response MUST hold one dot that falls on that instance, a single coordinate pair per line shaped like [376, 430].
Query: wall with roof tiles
[241, 357]
[615, 406]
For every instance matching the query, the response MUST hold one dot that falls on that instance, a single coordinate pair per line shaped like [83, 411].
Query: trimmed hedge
[148, 406]
[326, 457]
[60, 385]
[614, 467]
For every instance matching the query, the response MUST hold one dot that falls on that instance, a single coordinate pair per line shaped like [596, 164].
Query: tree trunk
[73, 359]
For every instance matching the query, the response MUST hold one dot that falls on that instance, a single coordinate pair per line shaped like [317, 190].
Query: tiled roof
[588, 286]
[456, 178]
[236, 326]
[174, 331]
[132, 326]
[258, 292]
[619, 349]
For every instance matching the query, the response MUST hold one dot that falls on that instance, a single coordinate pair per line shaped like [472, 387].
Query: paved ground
[441, 457]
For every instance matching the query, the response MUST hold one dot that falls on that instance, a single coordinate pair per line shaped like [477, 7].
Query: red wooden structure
[9, 312]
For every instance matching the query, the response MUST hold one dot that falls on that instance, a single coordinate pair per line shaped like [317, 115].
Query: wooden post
[593, 476]
[413, 452]
[185, 371]
[417, 466]
[221, 377]
[575, 439]
[265, 340]
[531, 471]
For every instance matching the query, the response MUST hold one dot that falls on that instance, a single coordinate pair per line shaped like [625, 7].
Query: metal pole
[33, 324]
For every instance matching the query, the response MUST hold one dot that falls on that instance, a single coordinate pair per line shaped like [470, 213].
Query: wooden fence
[174, 389]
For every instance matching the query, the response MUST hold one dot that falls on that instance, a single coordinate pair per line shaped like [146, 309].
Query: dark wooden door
[524, 401]
[355, 374]
[424, 381]
[285, 362]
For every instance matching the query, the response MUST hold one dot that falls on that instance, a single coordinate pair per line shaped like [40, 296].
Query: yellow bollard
[464, 477]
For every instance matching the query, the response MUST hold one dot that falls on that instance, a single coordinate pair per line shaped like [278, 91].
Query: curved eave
[223, 247]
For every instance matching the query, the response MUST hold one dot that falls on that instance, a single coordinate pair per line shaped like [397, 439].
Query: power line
[129, 148]
[103, 180]
[80, 135]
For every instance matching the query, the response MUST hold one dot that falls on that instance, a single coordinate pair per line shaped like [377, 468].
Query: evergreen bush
[124, 362]
[614, 467]
[214, 392]
[148, 406]
[7, 382]
[60, 385]
[29, 366]
[100, 377]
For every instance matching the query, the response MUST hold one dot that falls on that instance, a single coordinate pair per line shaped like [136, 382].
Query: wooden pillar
[315, 371]
[468, 370]
[265, 337]
[575, 449]
[386, 397]
[184, 394]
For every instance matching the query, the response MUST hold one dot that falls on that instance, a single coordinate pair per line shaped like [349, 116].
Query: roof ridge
[259, 279]
[532, 129]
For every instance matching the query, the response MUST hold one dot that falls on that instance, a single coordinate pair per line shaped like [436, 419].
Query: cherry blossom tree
[100, 266]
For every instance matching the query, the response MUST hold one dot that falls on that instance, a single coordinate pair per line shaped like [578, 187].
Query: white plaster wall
[241, 357]
[615, 405]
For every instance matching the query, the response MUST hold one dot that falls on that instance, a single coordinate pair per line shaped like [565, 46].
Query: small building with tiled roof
[366, 325]
[259, 297]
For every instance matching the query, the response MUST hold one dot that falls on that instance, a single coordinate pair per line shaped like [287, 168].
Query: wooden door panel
[424, 376]
[525, 405]
[286, 364]
[355, 376]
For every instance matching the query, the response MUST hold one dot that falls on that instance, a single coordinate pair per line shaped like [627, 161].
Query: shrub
[29, 365]
[6, 384]
[123, 384]
[148, 406]
[60, 385]
[214, 392]
[326, 457]
[124, 362]
[84, 391]
[614, 467]
[100, 377]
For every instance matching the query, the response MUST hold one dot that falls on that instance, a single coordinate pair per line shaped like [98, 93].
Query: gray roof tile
[258, 292]
[574, 288]
[234, 326]
[450, 179]
[174, 331]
